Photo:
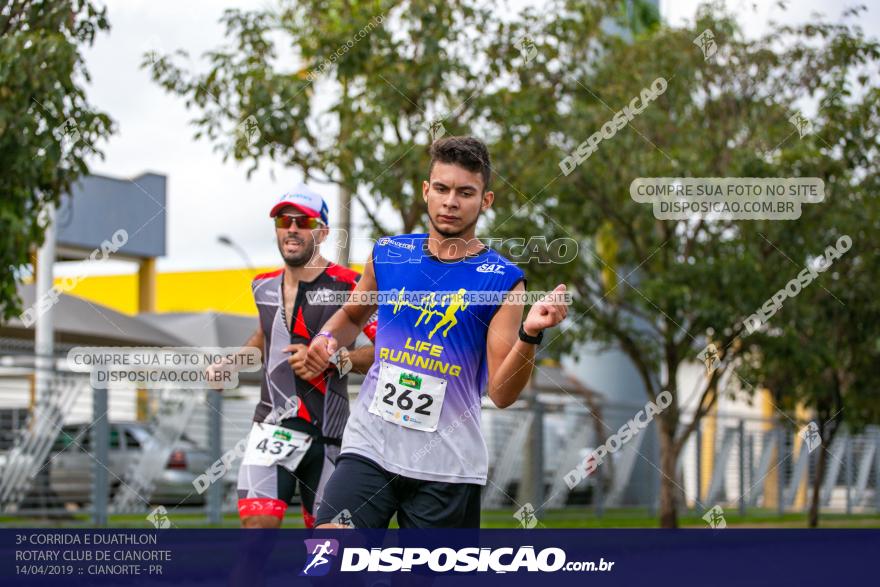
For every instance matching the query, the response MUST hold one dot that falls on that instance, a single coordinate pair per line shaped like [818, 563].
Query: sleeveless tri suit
[317, 409]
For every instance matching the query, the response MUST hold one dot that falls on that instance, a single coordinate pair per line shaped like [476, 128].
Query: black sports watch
[530, 339]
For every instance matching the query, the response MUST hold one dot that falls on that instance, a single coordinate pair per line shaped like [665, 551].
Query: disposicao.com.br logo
[442, 560]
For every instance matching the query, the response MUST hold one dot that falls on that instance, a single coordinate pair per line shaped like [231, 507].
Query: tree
[661, 290]
[47, 127]
[367, 87]
[393, 76]
[822, 351]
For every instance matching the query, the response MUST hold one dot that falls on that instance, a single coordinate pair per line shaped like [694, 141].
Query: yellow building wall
[224, 290]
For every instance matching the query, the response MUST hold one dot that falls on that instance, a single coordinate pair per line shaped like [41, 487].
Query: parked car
[71, 464]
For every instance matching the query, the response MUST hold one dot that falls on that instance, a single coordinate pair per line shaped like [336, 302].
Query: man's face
[297, 245]
[455, 199]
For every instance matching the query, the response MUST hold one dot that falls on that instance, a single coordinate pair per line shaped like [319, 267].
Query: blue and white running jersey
[418, 413]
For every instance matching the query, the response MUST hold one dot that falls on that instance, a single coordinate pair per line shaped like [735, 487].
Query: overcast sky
[207, 197]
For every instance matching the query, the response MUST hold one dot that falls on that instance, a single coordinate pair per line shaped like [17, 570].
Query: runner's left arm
[510, 360]
[362, 358]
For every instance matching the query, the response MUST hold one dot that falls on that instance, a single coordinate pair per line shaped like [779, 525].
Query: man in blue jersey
[450, 332]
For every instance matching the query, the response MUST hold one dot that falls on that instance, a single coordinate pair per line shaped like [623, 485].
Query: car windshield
[136, 436]
[143, 436]
[66, 439]
[78, 436]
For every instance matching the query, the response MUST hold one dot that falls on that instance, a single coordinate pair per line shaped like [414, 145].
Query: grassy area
[565, 518]
[640, 518]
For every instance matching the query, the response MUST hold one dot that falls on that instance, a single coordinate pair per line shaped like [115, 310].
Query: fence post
[780, 474]
[214, 499]
[537, 444]
[742, 468]
[699, 439]
[100, 445]
[847, 463]
[750, 463]
[531, 483]
[877, 470]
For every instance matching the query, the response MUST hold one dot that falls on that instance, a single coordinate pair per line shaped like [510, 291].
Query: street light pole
[225, 240]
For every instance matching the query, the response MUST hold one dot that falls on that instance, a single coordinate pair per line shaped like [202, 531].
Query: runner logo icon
[454, 302]
[320, 555]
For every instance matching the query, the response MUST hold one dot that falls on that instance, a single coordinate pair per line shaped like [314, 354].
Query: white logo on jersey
[491, 268]
[322, 296]
[387, 241]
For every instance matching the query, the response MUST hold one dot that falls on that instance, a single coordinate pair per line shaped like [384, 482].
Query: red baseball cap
[308, 202]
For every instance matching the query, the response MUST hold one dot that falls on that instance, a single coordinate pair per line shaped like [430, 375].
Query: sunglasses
[304, 222]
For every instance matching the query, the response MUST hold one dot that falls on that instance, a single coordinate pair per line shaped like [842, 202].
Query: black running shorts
[363, 494]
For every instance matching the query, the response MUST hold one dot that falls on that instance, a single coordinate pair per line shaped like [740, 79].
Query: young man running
[413, 445]
[299, 421]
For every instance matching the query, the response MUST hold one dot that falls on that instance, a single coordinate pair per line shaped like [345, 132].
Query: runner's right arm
[256, 339]
[345, 324]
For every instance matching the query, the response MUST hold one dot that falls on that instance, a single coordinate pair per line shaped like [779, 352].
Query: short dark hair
[467, 152]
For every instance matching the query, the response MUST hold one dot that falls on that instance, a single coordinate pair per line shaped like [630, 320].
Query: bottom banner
[253, 558]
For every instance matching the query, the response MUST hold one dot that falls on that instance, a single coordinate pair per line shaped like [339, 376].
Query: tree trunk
[668, 485]
[830, 419]
[813, 517]
[832, 427]
[344, 223]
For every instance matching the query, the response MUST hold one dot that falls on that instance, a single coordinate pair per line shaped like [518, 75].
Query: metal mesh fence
[68, 452]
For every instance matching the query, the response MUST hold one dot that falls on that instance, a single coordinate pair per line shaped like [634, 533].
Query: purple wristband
[325, 333]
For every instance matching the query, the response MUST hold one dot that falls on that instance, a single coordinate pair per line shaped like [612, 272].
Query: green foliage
[47, 128]
[345, 91]
[681, 284]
